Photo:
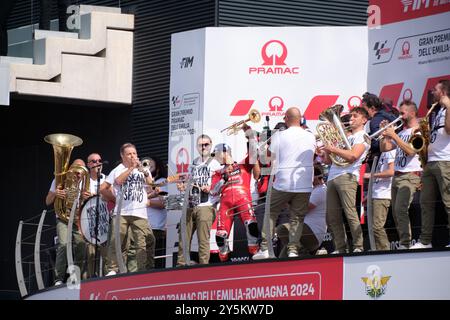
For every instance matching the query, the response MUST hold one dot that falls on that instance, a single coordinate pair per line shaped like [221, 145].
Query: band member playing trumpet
[128, 180]
[343, 183]
[407, 169]
[436, 174]
[232, 183]
[292, 162]
[200, 214]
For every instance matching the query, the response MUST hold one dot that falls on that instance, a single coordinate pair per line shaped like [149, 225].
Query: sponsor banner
[400, 10]
[407, 58]
[272, 69]
[318, 279]
[185, 117]
[415, 275]
[268, 69]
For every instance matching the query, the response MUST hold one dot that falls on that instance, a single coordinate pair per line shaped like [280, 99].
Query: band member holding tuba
[200, 214]
[129, 180]
[407, 170]
[436, 173]
[292, 152]
[62, 193]
[343, 182]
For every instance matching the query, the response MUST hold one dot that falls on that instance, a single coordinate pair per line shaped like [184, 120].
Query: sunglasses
[200, 145]
[95, 161]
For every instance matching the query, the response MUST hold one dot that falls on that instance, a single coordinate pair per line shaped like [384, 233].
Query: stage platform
[390, 275]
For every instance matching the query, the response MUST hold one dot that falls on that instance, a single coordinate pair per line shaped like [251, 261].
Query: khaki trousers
[380, 212]
[435, 178]
[403, 188]
[298, 208]
[78, 249]
[140, 233]
[341, 195]
[199, 218]
[308, 241]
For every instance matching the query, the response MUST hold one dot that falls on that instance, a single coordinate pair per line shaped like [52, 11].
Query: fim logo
[187, 62]
[375, 283]
[380, 49]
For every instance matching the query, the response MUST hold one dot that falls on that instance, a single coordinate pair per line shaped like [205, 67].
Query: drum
[87, 220]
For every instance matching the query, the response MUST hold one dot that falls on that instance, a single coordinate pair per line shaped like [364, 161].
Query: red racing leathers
[232, 183]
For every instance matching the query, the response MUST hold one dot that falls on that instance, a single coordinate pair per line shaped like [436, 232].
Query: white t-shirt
[403, 162]
[353, 168]
[202, 174]
[381, 188]
[134, 193]
[53, 186]
[316, 218]
[93, 184]
[157, 218]
[439, 147]
[293, 154]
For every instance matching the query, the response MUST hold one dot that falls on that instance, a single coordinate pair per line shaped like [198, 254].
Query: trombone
[253, 116]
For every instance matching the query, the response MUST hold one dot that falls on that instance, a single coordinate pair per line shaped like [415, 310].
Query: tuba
[65, 177]
[332, 132]
[420, 137]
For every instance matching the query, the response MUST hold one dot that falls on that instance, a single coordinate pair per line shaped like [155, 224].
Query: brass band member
[343, 183]
[292, 155]
[200, 214]
[79, 245]
[129, 181]
[407, 170]
[436, 174]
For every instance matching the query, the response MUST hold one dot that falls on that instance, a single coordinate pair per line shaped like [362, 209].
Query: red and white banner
[314, 279]
[410, 52]
[393, 11]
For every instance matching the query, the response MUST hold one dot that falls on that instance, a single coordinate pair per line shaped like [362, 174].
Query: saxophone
[420, 137]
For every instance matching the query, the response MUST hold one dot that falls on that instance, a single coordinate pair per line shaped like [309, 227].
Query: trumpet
[253, 116]
[377, 135]
[144, 166]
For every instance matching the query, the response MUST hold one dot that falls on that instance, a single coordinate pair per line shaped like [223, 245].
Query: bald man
[78, 243]
[292, 155]
[407, 170]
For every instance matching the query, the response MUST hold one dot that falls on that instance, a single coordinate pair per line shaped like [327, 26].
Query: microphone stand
[99, 174]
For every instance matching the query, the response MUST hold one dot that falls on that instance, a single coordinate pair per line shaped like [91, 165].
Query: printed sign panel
[410, 52]
[414, 275]
[318, 279]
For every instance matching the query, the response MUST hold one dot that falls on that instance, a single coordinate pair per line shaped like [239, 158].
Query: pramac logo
[275, 105]
[182, 160]
[406, 48]
[274, 54]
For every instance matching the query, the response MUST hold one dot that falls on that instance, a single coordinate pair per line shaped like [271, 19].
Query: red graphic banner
[312, 279]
